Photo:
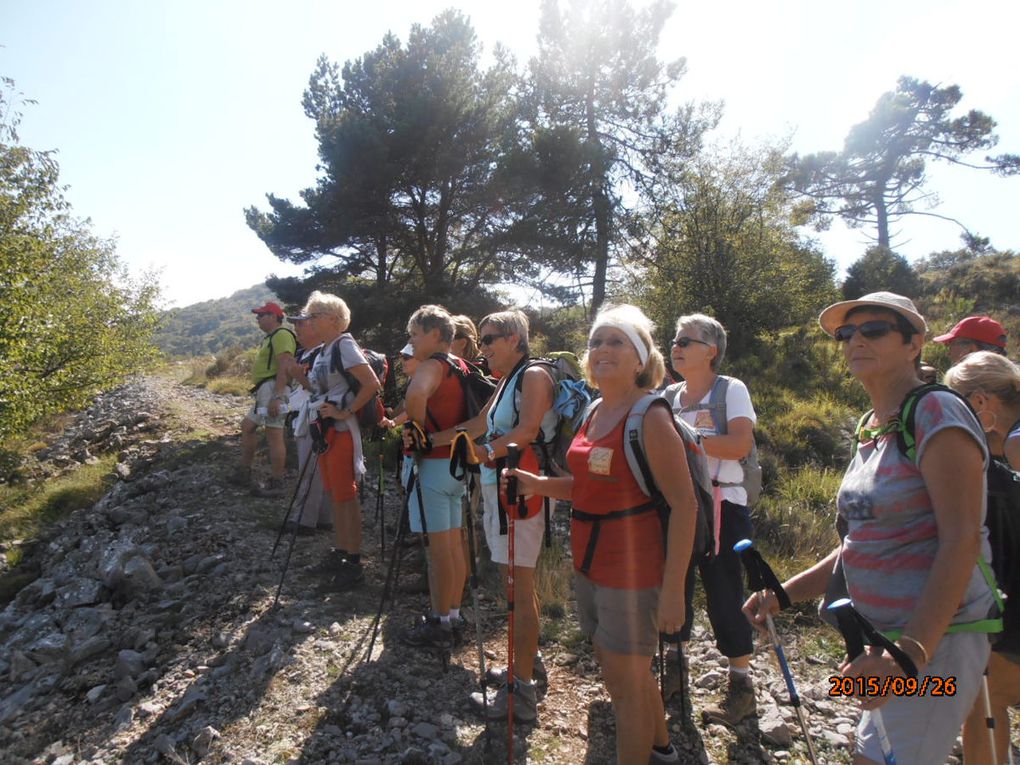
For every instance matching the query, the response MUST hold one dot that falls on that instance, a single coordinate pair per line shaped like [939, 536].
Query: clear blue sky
[171, 117]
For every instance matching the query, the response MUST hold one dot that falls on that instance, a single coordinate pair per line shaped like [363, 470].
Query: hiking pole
[761, 578]
[855, 628]
[293, 538]
[293, 496]
[513, 457]
[380, 515]
[989, 717]
[393, 571]
[473, 584]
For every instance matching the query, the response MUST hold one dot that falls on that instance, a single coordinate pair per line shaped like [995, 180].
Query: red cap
[272, 308]
[979, 328]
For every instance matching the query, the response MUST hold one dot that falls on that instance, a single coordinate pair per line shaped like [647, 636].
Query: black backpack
[373, 411]
[477, 386]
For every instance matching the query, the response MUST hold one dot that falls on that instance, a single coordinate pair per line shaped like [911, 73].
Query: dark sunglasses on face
[683, 342]
[489, 339]
[870, 330]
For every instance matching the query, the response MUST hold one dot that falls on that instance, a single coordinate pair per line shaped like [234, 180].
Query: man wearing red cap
[975, 333]
[269, 384]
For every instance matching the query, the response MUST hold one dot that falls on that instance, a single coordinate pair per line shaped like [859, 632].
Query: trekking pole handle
[513, 459]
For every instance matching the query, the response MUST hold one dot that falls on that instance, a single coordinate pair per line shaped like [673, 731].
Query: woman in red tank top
[632, 586]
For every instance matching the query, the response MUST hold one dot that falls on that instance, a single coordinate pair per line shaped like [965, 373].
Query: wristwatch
[490, 453]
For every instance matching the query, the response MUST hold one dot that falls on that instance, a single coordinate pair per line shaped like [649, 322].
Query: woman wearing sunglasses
[697, 353]
[911, 536]
[511, 418]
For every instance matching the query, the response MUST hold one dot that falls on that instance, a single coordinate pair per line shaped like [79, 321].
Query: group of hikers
[913, 553]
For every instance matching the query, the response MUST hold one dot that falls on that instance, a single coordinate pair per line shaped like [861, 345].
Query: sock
[444, 618]
[454, 613]
[668, 749]
[354, 558]
[744, 672]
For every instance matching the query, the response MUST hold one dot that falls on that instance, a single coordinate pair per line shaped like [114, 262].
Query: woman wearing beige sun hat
[911, 536]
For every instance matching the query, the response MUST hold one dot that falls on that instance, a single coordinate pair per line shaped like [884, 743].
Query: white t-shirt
[330, 383]
[738, 404]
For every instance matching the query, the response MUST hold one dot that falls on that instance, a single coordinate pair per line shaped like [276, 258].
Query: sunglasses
[267, 313]
[870, 330]
[489, 339]
[683, 342]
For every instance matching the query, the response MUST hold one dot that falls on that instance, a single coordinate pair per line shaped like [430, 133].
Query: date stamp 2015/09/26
[929, 685]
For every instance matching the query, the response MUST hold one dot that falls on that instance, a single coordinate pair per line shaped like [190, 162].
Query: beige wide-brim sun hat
[834, 316]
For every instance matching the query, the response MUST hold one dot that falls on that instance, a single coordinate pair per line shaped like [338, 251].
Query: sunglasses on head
[489, 339]
[870, 330]
[683, 342]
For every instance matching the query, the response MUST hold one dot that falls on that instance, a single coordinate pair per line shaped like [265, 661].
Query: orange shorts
[336, 466]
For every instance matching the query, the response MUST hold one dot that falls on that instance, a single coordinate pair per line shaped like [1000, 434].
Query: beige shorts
[263, 395]
[527, 533]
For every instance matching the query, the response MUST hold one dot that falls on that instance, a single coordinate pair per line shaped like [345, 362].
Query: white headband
[630, 332]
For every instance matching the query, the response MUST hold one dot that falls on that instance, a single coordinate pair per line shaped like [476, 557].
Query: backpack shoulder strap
[634, 443]
[905, 439]
[717, 404]
[855, 440]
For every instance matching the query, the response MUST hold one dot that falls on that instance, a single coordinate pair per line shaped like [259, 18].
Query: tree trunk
[882, 220]
[601, 208]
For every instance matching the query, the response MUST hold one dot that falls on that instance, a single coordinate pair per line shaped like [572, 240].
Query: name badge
[703, 421]
[600, 459]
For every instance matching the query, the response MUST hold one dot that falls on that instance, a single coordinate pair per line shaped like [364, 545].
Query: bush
[816, 431]
[798, 520]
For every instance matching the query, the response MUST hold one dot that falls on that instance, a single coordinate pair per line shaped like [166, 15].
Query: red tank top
[629, 553]
[444, 409]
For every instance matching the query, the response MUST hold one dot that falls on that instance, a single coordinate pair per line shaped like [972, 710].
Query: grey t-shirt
[891, 535]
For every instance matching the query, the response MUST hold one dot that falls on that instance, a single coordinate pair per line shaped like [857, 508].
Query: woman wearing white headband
[629, 587]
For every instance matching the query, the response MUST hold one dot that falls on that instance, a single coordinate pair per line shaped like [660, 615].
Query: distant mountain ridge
[213, 325]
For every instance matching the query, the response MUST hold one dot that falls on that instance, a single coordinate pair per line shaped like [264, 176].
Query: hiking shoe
[273, 489]
[349, 577]
[661, 758]
[737, 705]
[497, 675]
[525, 702]
[460, 626]
[676, 679]
[429, 633]
[240, 476]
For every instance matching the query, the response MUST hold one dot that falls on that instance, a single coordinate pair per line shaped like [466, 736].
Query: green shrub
[814, 431]
[797, 520]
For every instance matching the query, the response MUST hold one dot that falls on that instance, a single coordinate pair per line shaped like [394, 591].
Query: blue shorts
[441, 494]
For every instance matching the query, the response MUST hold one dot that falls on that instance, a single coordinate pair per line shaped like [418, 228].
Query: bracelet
[920, 647]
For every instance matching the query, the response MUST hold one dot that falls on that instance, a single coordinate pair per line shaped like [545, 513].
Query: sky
[169, 118]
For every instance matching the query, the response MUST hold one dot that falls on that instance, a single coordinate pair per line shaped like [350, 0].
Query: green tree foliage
[880, 174]
[73, 322]
[727, 248]
[213, 325]
[410, 141]
[974, 280]
[880, 269]
[601, 131]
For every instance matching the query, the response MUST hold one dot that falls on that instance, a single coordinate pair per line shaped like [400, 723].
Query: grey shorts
[922, 730]
[621, 621]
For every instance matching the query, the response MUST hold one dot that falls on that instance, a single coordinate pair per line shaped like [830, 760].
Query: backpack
[716, 407]
[1002, 519]
[634, 451]
[372, 412]
[477, 385]
[571, 398]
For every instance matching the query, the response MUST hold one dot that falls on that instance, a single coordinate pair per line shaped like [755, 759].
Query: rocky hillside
[150, 635]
